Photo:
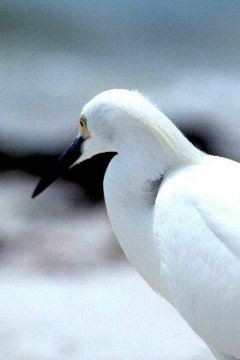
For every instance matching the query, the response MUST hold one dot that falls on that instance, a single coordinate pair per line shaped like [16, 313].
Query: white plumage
[174, 210]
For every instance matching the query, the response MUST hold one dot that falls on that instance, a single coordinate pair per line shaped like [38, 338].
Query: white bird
[174, 209]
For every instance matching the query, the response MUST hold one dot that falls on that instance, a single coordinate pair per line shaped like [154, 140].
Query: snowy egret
[174, 209]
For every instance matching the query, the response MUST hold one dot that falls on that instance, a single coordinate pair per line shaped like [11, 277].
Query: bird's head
[103, 128]
[116, 120]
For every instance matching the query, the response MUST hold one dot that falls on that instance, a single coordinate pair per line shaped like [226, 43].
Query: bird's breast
[132, 222]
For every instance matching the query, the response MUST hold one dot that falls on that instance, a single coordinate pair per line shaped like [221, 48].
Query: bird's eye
[82, 121]
[83, 127]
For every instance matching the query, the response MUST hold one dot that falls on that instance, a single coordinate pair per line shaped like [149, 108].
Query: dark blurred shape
[200, 130]
[89, 175]
[198, 141]
[7, 162]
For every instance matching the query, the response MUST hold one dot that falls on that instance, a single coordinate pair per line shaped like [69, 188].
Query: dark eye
[82, 121]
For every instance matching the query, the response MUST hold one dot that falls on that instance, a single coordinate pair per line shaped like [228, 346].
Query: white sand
[66, 291]
[110, 314]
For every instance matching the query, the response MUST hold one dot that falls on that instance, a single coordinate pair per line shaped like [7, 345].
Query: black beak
[63, 163]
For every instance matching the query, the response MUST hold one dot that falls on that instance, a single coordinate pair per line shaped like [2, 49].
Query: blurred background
[67, 291]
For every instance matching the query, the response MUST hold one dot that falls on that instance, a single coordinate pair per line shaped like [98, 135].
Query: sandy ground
[67, 291]
[105, 315]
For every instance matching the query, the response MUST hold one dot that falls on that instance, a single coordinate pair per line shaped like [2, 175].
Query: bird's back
[197, 232]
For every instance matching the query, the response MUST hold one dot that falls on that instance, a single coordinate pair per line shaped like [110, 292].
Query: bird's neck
[130, 191]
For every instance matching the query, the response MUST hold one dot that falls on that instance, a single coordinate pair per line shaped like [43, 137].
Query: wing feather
[197, 230]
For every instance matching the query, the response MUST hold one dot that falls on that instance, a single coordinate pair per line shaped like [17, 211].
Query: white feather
[186, 242]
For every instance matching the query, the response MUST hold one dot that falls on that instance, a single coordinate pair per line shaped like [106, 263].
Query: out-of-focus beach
[67, 290]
